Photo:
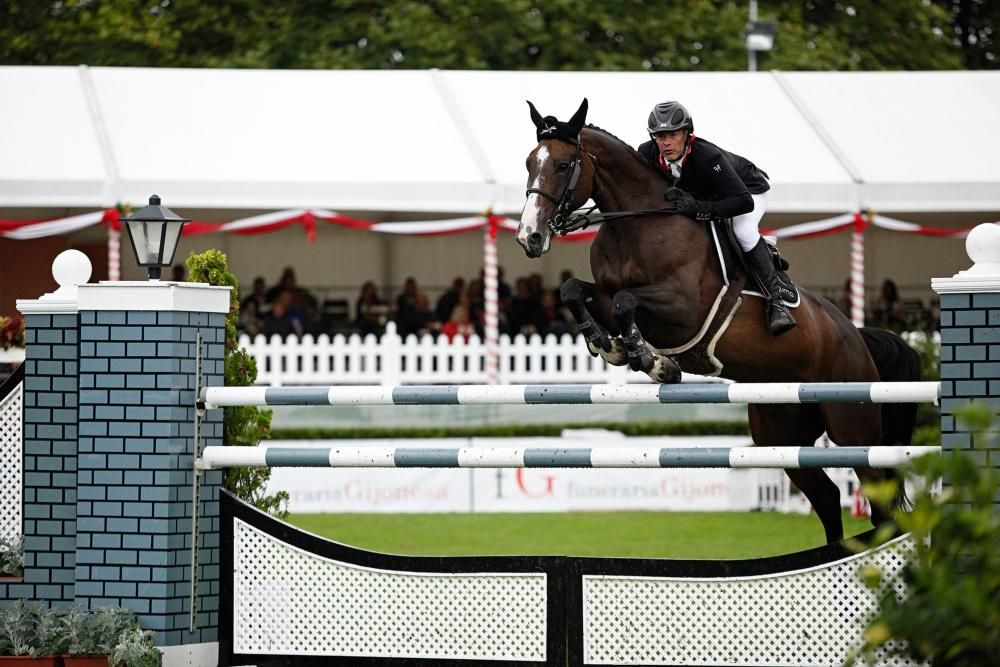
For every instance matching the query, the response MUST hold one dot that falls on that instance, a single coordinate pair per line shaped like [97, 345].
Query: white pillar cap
[983, 247]
[70, 268]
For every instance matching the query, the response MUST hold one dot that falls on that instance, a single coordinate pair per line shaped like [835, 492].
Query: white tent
[454, 142]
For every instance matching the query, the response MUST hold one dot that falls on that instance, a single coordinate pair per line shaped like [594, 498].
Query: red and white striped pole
[114, 245]
[858, 271]
[490, 285]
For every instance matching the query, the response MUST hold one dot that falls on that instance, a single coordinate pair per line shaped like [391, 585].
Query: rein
[564, 221]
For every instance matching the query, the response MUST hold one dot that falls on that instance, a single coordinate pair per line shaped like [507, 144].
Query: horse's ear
[536, 117]
[579, 118]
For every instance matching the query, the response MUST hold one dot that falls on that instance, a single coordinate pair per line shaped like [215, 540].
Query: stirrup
[776, 310]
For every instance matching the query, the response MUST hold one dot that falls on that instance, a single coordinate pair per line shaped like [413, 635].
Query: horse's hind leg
[589, 308]
[800, 425]
[641, 357]
[859, 426]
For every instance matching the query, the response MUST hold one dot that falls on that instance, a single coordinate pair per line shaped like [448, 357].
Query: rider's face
[671, 144]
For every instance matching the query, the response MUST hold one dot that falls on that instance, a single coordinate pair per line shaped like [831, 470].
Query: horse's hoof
[641, 362]
[665, 371]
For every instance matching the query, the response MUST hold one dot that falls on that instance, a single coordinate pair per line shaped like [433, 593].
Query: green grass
[723, 535]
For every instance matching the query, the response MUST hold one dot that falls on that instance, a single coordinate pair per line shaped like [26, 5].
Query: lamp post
[154, 231]
[759, 36]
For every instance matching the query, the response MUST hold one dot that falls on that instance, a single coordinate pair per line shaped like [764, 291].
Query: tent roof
[455, 141]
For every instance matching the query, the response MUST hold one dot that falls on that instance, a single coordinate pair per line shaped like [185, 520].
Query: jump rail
[596, 457]
[562, 394]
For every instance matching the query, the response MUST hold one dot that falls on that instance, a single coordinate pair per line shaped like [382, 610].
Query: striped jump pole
[570, 394]
[581, 457]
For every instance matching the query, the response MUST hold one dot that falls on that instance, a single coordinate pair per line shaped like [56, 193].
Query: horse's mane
[633, 153]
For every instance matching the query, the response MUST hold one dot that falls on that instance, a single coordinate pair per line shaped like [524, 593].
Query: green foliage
[11, 331]
[629, 35]
[49, 636]
[514, 430]
[951, 611]
[17, 627]
[135, 649]
[242, 425]
[12, 556]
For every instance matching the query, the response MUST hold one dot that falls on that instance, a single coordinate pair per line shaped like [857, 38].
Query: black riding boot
[758, 259]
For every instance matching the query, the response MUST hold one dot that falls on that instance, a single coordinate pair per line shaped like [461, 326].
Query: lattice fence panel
[808, 617]
[11, 444]
[290, 602]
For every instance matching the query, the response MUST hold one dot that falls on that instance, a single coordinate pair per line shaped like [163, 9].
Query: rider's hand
[687, 205]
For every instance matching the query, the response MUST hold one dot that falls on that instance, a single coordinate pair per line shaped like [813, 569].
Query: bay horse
[660, 303]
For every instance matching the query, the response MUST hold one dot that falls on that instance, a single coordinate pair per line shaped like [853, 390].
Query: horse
[660, 303]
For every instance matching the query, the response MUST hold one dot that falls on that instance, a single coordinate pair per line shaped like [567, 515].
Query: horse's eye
[562, 166]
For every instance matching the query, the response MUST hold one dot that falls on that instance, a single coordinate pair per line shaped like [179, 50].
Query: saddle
[698, 355]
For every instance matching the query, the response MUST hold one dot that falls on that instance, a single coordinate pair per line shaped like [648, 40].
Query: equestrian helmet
[669, 116]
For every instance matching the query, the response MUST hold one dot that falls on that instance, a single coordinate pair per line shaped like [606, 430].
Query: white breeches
[745, 226]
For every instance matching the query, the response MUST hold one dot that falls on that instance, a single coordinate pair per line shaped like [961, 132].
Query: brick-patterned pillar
[136, 453]
[970, 338]
[50, 438]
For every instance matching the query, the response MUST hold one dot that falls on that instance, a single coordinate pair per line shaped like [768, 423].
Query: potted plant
[50, 641]
[19, 634]
[11, 557]
[86, 643]
[135, 649]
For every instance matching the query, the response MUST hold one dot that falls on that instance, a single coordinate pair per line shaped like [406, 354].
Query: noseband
[562, 222]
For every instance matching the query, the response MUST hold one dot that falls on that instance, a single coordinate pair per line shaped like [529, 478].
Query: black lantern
[154, 231]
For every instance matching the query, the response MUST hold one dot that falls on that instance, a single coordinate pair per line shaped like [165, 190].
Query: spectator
[300, 304]
[888, 308]
[371, 312]
[449, 299]
[412, 311]
[557, 317]
[459, 322]
[253, 309]
[280, 320]
[527, 315]
[563, 277]
[178, 273]
[844, 302]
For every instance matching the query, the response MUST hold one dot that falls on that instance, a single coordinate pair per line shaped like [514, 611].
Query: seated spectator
[527, 315]
[449, 299]
[459, 322]
[412, 309]
[558, 318]
[301, 305]
[371, 312]
[844, 302]
[889, 308]
[253, 309]
[280, 320]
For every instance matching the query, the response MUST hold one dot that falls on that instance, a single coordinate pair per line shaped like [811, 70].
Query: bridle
[561, 223]
[564, 222]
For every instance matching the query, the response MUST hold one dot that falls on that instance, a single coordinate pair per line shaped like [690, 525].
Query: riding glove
[687, 205]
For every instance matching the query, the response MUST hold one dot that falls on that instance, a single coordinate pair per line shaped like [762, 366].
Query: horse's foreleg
[584, 303]
[640, 355]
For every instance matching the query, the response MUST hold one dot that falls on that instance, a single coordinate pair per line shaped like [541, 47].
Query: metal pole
[751, 54]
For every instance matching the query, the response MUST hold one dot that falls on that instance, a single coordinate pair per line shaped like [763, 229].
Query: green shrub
[950, 612]
[242, 425]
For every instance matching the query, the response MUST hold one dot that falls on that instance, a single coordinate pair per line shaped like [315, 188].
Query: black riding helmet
[667, 117]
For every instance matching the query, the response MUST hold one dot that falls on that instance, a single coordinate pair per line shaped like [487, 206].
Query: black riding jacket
[722, 180]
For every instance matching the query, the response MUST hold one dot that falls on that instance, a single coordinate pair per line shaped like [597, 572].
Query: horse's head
[557, 185]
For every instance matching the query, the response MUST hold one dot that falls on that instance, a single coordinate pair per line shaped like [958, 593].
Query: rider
[711, 183]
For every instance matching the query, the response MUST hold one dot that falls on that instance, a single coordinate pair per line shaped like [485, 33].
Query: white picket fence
[392, 360]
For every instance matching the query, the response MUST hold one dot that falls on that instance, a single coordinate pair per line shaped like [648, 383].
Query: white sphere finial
[70, 268]
[983, 247]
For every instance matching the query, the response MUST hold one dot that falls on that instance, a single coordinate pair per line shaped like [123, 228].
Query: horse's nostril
[535, 238]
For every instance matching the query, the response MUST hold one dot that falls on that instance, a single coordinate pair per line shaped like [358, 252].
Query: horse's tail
[896, 362]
